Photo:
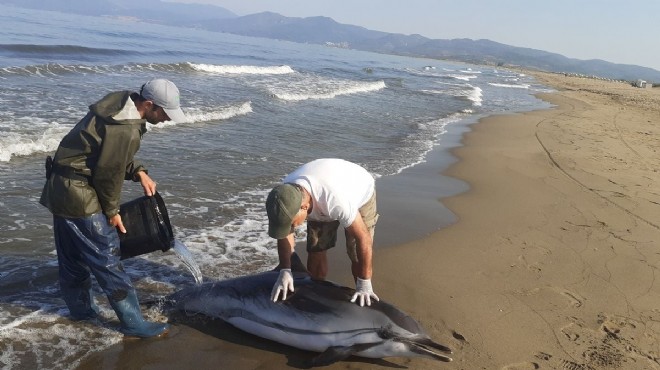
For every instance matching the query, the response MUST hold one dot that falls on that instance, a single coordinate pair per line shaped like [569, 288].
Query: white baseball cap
[165, 94]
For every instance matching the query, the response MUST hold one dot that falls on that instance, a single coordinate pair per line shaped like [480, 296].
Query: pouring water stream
[187, 258]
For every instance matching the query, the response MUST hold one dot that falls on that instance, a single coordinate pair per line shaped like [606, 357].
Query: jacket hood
[112, 104]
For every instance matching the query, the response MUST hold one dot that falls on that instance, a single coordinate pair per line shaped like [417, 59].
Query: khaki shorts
[322, 236]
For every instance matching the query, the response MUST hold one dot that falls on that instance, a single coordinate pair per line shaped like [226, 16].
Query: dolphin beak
[421, 347]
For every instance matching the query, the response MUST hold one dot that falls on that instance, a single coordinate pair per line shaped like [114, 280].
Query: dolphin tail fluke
[334, 354]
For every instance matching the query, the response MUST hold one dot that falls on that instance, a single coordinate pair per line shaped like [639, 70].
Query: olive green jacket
[93, 160]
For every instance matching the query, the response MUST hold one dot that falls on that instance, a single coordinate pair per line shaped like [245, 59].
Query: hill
[326, 31]
[323, 30]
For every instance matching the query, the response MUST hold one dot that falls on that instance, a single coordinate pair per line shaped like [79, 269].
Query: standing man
[328, 193]
[83, 190]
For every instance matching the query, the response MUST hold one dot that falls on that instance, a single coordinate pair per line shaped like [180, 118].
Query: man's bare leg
[317, 265]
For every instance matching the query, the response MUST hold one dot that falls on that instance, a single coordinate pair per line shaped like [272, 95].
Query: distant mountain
[154, 11]
[323, 30]
[315, 30]
[326, 31]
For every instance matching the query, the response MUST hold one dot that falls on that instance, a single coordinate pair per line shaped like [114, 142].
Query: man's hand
[284, 284]
[116, 222]
[364, 292]
[147, 183]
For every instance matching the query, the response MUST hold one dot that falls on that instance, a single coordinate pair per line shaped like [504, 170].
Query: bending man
[327, 193]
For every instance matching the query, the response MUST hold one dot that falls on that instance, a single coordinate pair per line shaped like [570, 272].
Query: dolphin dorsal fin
[296, 264]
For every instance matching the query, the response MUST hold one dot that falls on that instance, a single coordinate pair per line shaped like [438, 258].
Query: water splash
[187, 258]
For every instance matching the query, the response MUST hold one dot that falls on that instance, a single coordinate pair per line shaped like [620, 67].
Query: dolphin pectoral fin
[334, 354]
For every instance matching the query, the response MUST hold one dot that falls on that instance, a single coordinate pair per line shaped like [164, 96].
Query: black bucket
[147, 226]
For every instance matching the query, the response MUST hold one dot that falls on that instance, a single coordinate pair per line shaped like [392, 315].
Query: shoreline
[549, 265]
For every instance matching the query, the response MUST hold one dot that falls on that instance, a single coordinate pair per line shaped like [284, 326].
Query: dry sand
[551, 264]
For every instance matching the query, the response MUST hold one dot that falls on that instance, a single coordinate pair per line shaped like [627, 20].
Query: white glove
[364, 291]
[283, 284]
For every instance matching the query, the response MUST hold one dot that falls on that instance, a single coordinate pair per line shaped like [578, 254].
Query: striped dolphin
[317, 317]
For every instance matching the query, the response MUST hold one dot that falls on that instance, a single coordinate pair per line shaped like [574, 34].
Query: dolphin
[317, 317]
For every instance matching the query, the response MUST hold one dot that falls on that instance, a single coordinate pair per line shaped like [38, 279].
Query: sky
[617, 31]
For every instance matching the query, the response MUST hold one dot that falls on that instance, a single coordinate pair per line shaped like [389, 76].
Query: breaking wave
[328, 91]
[512, 86]
[198, 115]
[24, 144]
[58, 69]
[239, 69]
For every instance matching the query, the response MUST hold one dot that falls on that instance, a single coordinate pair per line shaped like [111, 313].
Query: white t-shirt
[338, 188]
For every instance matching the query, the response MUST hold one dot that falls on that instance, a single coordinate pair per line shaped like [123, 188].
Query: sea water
[257, 109]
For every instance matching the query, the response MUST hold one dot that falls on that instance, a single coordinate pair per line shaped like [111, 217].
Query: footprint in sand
[574, 299]
[571, 365]
[615, 342]
[570, 334]
[521, 366]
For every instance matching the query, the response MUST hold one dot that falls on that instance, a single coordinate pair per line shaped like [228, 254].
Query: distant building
[341, 45]
[640, 83]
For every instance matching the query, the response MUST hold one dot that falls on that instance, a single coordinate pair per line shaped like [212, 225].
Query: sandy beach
[551, 263]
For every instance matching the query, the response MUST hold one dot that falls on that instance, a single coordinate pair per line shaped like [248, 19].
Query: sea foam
[462, 77]
[196, 115]
[513, 86]
[471, 93]
[328, 91]
[23, 144]
[237, 69]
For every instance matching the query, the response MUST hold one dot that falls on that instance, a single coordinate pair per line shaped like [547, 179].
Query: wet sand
[551, 263]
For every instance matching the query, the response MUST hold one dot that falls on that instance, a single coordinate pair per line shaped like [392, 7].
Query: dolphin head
[411, 345]
[390, 345]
